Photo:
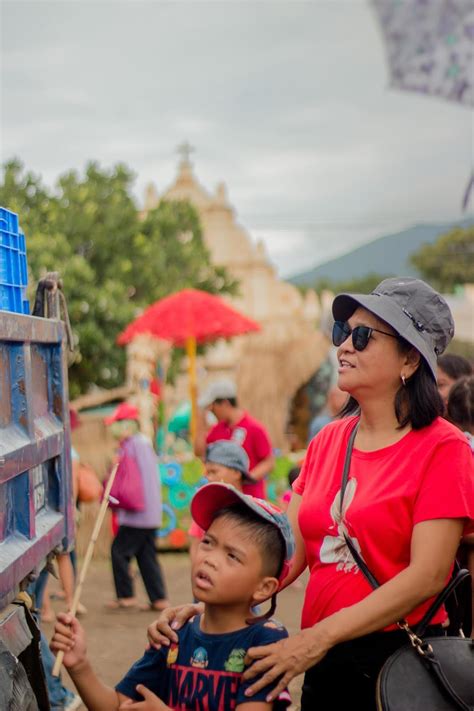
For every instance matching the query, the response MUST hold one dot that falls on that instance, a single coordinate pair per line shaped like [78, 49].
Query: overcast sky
[287, 102]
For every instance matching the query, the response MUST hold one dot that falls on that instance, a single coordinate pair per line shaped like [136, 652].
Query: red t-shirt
[428, 474]
[253, 437]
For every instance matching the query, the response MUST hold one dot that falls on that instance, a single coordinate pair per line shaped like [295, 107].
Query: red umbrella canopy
[189, 313]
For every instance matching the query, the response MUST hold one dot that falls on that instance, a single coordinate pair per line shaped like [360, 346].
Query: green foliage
[361, 285]
[448, 262]
[170, 244]
[112, 264]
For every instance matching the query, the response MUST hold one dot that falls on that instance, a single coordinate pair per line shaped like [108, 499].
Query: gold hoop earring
[403, 379]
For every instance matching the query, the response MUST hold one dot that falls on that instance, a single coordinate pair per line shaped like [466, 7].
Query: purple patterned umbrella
[429, 45]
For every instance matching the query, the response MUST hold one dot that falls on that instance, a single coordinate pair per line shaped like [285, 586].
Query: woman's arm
[298, 562]
[433, 549]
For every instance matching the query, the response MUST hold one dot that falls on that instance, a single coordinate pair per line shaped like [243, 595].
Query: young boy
[227, 462]
[240, 562]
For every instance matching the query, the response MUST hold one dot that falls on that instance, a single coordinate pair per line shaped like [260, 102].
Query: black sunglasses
[360, 334]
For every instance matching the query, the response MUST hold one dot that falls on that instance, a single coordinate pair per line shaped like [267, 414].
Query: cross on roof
[184, 150]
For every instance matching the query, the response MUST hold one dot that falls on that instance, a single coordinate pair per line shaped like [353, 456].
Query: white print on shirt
[334, 549]
[239, 434]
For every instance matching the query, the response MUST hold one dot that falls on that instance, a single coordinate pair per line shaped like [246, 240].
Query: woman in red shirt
[409, 495]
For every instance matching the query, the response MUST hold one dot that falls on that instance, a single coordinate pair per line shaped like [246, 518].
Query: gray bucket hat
[411, 307]
[228, 454]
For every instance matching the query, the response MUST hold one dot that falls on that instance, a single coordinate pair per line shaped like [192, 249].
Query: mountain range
[388, 255]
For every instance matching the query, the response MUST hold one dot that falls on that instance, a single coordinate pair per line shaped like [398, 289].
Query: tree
[448, 262]
[112, 264]
[170, 245]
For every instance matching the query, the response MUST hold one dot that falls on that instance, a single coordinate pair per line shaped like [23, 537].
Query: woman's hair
[418, 402]
[460, 407]
[455, 366]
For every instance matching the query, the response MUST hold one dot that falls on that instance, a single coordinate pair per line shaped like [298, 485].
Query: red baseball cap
[217, 495]
[124, 411]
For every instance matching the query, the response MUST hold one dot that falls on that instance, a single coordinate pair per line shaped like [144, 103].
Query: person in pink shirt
[137, 528]
[235, 424]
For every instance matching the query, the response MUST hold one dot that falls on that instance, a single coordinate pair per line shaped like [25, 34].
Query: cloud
[287, 102]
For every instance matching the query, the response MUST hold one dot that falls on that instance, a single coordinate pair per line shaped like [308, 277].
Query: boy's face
[227, 568]
[218, 472]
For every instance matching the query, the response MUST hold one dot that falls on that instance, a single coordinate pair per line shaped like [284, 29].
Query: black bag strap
[461, 575]
[423, 648]
[345, 477]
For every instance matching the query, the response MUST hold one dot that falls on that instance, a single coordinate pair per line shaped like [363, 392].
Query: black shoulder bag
[429, 673]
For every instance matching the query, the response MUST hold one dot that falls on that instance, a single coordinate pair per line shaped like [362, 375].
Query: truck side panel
[36, 501]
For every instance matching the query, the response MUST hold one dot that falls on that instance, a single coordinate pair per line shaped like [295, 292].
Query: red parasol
[186, 318]
[189, 313]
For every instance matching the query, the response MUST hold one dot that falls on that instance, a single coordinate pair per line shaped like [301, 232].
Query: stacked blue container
[13, 265]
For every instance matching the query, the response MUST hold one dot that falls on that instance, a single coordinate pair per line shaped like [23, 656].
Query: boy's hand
[161, 632]
[150, 702]
[69, 637]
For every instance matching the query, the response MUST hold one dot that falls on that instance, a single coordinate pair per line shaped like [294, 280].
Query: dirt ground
[116, 640]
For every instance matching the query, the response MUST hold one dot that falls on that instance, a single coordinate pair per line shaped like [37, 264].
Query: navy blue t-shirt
[203, 672]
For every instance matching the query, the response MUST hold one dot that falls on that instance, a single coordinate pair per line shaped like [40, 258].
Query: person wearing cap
[235, 424]
[137, 530]
[409, 495]
[226, 462]
[241, 561]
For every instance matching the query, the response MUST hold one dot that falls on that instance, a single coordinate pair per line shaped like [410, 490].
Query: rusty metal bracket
[49, 299]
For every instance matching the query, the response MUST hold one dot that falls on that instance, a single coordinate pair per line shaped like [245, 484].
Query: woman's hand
[70, 638]
[162, 631]
[286, 659]
[151, 702]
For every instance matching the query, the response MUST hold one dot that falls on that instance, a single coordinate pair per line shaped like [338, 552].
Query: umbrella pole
[192, 379]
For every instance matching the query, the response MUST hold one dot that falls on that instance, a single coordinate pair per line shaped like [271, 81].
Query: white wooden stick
[87, 560]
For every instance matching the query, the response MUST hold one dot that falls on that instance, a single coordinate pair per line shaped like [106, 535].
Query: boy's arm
[254, 706]
[94, 693]
[69, 637]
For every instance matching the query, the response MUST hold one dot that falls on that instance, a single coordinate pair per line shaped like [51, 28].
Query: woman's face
[444, 384]
[376, 370]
